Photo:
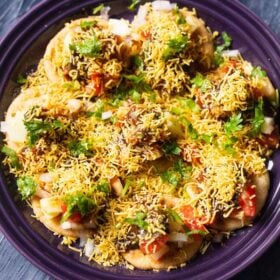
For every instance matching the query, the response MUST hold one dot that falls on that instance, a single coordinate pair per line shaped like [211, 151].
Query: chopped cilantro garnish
[171, 148]
[21, 80]
[133, 4]
[90, 47]
[127, 184]
[37, 128]
[26, 186]
[258, 72]
[103, 186]
[135, 79]
[218, 58]
[77, 148]
[258, 119]
[98, 9]
[175, 46]
[77, 203]
[234, 124]
[175, 216]
[135, 95]
[138, 62]
[180, 19]
[195, 231]
[228, 145]
[87, 24]
[171, 176]
[201, 82]
[139, 220]
[13, 157]
[191, 130]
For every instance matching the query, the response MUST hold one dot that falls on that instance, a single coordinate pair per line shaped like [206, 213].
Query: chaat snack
[142, 142]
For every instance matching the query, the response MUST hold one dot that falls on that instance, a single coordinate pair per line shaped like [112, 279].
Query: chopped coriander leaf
[258, 72]
[218, 58]
[134, 78]
[234, 124]
[258, 119]
[87, 24]
[175, 46]
[77, 203]
[36, 128]
[13, 157]
[191, 130]
[99, 109]
[227, 42]
[139, 220]
[171, 148]
[135, 95]
[180, 19]
[171, 176]
[206, 138]
[201, 82]
[228, 145]
[77, 148]
[138, 62]
[195, 231]
[90, 47]
[26, 186]
[98, 9]
[133, 4]
[103, 187]
[175, 216]
[21, 80]
[182, 168]
[190, 104]
[128, 183]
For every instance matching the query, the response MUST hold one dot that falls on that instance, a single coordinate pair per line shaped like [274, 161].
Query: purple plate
[20, 52]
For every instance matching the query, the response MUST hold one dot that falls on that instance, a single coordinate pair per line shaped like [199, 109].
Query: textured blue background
[15, 266]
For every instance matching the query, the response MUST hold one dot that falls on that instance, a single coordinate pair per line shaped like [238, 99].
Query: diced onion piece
[51, 206]
[119, 27]
[83, 241]
[157, 255]
[89, 247]
[68, 41]
[70, 225]
[270, 165]
[163, 6]
[268, 125]
[42, 193]
[106, 115]
[231, 53]
[46, 178]
[178, 237]
[117, 186]
[74, 105]
[104, 13]
[4, 127]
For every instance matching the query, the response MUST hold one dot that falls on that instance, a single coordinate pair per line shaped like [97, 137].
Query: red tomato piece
[96, 83]
[75, 218]
[154, 246]
[63, 207]
[247, 201]
[145, 34]
[190, 220]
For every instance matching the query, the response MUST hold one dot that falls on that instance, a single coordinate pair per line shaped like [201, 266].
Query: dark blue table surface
[15, 266]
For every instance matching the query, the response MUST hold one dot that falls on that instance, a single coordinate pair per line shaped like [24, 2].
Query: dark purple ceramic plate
[21, 50]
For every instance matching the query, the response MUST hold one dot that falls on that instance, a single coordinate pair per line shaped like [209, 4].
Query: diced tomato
[230, 64]
[96, 84]
[247, 200]
[145, 34]
[154, 246]
[269, 140]
[63, 207]
[76, 218]
[190, 220]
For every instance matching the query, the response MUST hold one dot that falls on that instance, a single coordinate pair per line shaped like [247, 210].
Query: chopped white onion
[89, 247]
[231, 53]
[42, 193]
[268, 125]
[104, 13]
[163, 6]
[119, 27]
[178, 237]
[83, 241]
[46, 177]
[106, 115]
[70, 225]
[157, 255]
[140, 19]
[269, 165]
[74, 105]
